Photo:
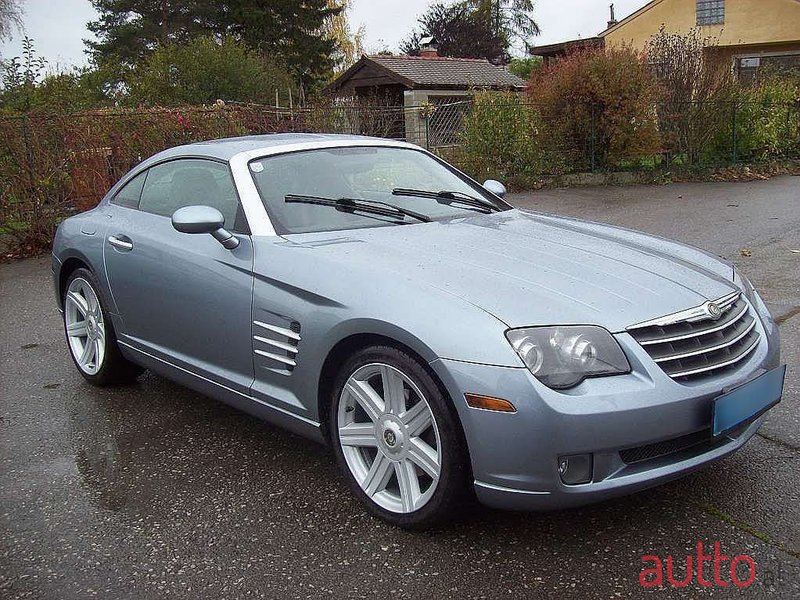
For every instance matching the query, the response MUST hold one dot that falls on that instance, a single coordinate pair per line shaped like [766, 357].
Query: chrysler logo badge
[713, 310]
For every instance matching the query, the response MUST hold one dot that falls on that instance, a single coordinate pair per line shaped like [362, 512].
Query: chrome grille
[693, 344]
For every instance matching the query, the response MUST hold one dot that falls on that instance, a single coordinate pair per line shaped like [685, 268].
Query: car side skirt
[253, 406]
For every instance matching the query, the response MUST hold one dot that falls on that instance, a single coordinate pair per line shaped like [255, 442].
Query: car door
[183, 298]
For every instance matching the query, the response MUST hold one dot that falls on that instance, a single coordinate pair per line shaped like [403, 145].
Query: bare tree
[10, 17]
[698, 90]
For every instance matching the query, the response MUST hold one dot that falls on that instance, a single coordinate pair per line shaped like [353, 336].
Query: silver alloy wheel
[86, 330]
[389, 438]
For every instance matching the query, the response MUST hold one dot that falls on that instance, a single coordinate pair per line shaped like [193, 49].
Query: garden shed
[418, 83]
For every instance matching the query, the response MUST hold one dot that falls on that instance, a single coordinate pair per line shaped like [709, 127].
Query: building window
[710, 12]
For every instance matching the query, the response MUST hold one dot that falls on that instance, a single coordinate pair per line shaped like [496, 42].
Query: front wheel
[397, 439]
[90, 335]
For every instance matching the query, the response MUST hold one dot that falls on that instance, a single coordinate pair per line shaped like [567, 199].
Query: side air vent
[278, 345]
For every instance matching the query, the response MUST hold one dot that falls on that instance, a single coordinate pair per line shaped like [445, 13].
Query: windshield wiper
[375, 207]
[449, 197]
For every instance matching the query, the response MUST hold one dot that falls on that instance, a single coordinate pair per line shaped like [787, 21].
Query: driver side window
[186, 182]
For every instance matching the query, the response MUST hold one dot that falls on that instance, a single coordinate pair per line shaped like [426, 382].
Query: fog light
[575, 469]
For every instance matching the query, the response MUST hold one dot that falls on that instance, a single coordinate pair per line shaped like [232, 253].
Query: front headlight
[561, 357]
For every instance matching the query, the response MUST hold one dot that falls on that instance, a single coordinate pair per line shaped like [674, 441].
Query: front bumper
[514, 456]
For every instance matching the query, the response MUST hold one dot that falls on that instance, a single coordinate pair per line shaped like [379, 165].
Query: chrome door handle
[120, 244]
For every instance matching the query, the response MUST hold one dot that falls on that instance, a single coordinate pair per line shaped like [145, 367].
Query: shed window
[710, 12]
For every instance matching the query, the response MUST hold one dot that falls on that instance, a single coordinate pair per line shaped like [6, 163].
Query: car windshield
[359, 173]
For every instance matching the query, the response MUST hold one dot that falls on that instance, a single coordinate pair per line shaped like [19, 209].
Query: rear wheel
[90, 335]
[397, 439]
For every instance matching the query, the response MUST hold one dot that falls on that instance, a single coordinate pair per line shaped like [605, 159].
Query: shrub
[525, 67]
[34, 184]
[53, 164]
[695, 88]
[204, 70]
[768, 120]
[601, 104]
[20, 76]
[25, 85]
[502, 138]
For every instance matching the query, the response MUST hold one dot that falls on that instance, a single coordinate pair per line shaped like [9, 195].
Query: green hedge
[504, 137]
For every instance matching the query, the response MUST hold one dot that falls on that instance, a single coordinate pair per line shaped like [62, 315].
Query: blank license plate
[748, 401]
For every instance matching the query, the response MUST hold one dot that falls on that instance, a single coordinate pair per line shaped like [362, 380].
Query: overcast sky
[59, 26]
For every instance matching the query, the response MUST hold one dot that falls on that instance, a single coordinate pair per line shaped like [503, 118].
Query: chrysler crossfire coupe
[365, 293]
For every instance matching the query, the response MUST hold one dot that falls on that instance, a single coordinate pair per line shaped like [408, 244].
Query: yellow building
[751, 33]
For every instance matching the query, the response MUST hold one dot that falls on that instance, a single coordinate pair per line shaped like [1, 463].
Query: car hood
[534, 269]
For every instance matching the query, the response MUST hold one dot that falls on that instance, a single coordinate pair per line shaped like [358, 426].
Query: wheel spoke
[378, 476]
[408, 484]
[358, 434]
[77, 329]
[96, 353]
[91, 299]
[99, 353]
[366, 397]
[89, 350]
[79, 302]
[425, 457]
[393, 393]
[417, 418]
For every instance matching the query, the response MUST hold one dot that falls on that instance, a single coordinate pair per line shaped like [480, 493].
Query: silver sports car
[365, 293]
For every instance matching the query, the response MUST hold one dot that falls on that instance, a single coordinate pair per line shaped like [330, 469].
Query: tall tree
[10, 17]
[349, 43]
[460, 31]
[287, 29]
[129, 30]
[511, 20]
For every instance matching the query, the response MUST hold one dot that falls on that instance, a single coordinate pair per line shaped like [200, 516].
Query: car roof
[226, 148]
[251, 146]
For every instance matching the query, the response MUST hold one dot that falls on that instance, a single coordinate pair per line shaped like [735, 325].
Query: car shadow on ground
[138, 446]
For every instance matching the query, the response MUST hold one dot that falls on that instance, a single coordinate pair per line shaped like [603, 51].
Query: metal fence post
[788, 151]
[427, 134]
[735, 107]
[594, 138]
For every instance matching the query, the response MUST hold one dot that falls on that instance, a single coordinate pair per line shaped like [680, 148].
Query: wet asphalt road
[152, 490]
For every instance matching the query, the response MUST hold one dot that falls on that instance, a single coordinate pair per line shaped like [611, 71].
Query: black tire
[452, 492]
[115, 369]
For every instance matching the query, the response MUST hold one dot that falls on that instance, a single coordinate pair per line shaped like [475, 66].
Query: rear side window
[186, 182]
[131, 192]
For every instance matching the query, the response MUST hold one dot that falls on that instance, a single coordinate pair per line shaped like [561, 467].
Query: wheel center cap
[392, 435]
[389, 437]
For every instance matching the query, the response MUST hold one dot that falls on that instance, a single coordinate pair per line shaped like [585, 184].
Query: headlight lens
[561, 357]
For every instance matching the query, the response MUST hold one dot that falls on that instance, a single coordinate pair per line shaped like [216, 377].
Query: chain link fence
[55, 164]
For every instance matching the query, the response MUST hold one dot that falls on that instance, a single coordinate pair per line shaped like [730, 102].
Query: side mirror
[204, 219]
[497, 188]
